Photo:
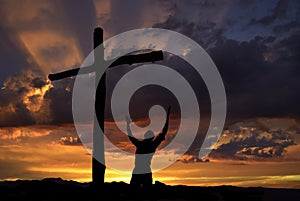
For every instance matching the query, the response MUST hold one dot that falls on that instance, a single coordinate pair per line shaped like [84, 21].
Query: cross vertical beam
[98, 159]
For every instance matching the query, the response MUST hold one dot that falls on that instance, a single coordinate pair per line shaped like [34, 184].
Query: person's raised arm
[160, 137]
[166, 126]
[131, 137]
[164, 131]
[128, 121]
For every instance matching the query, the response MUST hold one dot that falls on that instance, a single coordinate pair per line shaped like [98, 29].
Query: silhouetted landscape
[59, 189]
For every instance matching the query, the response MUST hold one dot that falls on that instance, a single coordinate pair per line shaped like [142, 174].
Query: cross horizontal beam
[128, 59]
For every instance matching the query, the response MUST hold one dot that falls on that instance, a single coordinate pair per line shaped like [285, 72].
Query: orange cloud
[24, 99]
[13, 133]
[257, 139]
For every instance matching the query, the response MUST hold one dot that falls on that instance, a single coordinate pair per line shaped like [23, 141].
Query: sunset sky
[254, 44]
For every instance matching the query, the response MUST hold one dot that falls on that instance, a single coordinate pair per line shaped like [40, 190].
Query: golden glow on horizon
[61, 170]
[37, 152]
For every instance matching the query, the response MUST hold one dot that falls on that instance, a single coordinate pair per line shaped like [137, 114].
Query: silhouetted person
[145, 149]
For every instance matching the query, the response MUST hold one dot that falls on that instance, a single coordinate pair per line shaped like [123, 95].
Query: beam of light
[52, 50]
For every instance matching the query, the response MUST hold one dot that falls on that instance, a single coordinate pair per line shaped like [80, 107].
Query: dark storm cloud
[205, 33]
[20, 116]
[60, 101]
[288, 48]
[289, 26]
[260, 75]
[38, 82]
[259, 80]
[277, 12]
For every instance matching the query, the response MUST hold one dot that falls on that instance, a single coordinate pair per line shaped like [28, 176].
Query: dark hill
[57, 189]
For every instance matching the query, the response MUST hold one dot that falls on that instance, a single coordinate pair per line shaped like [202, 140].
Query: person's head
[149, 135]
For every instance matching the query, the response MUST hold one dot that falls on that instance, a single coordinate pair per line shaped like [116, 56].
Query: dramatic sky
[254, 44]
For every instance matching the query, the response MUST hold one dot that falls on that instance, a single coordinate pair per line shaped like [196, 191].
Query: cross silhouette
[98, 168]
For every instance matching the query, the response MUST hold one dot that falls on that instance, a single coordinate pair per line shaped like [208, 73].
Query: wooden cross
[98, 169]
